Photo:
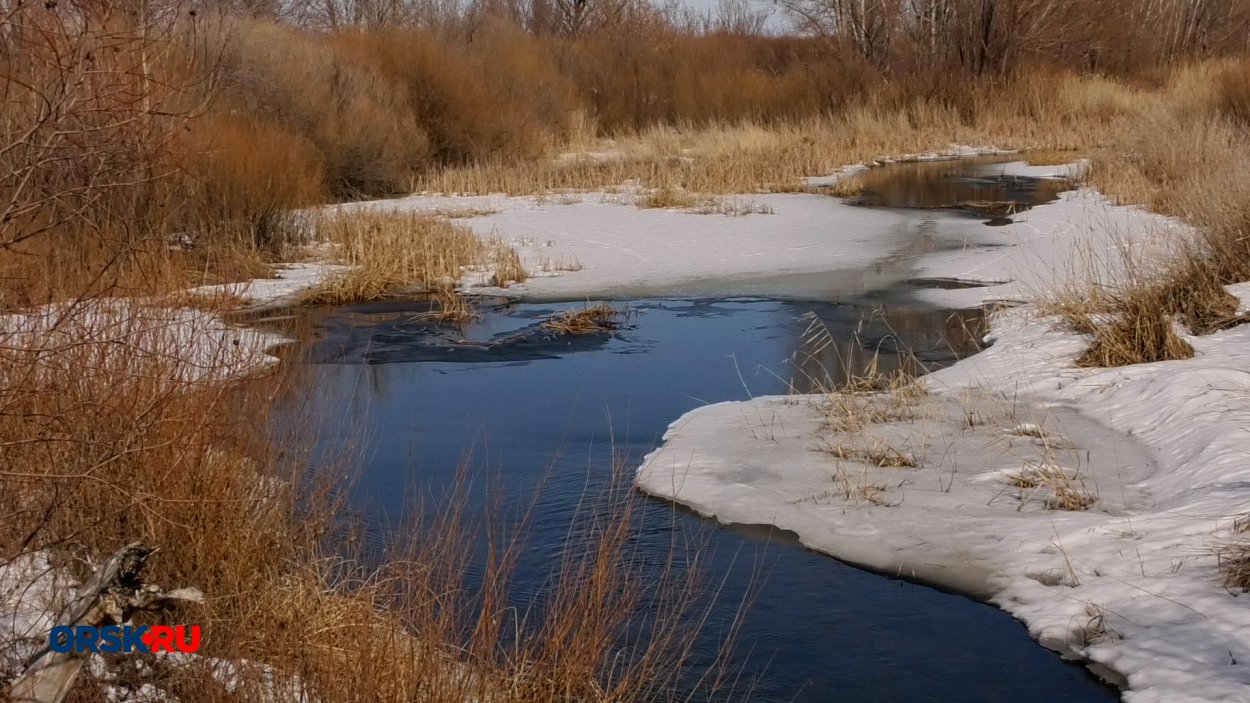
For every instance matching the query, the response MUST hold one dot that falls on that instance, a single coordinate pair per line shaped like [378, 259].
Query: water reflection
[544, 417]
[970, 185]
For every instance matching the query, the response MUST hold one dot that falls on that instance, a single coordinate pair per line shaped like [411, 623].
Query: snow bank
[1155, 453]
[291, 280]
[113, 335]
[32, 593]
[597, 245]
[1079, 239]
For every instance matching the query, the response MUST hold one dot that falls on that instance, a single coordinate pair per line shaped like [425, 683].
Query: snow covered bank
[601, 245]
[963, 484]
[260, 293]
[120, 335]
[1080, 239]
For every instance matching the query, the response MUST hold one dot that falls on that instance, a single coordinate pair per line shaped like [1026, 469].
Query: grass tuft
[1233, 556]
[1066, 489]
[388, 252]
[876, 453]
[588, 320]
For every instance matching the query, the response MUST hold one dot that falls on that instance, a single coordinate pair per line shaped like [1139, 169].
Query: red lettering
[185, 645]
[160, 638]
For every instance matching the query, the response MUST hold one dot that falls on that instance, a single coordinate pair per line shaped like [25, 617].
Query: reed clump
[592, 319]
[389, 251]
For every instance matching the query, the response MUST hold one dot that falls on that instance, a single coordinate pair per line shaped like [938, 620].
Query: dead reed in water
[588, 320]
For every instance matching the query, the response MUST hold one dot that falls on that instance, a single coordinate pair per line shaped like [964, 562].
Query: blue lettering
[61, 639]
[132, 639]
[110, 639]
[85, 638]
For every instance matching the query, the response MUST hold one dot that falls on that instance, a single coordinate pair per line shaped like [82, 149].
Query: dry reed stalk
[588, 320]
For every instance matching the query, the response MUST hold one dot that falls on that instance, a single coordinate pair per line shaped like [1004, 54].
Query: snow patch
[1155, 455]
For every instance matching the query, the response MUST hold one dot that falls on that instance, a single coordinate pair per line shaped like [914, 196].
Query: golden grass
[587, 320]
[1136, 332]
[848, 187]
[1232, 556]
[1066, 490]
[140, 449]
[390, 251]
[859, 489]
[875, 452]
[1180, 156]
[669, 197]
[108, 436]
[744, 157]
[460, 213]
[675, 198]
[1051, 157]
[548, 264]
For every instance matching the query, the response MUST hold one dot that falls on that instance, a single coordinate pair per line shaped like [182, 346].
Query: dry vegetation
[1064, 489]
[591, 319]
[389, 251]
[1180, 157]
[1232, 556]
[672, 198]
[141, 154]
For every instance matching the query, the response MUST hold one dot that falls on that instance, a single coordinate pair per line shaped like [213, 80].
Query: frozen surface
[1153, 454]
[1080, 238]
[106, 336]
[32, 592]
[291, 280]
[595, 245]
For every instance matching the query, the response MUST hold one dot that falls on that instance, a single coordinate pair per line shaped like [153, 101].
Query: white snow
[1131, 585]
[810, 246]
[32, 593]
[292, 279]
[1081, 238]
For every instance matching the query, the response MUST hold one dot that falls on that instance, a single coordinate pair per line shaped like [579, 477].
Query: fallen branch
[112, 596]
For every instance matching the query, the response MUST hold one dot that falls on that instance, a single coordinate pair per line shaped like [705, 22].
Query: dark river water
[540, 419]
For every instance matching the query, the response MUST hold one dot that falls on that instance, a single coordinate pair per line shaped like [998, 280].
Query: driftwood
[112, 595]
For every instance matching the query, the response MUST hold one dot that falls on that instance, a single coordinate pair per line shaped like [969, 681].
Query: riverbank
[975, 520]
[1090, 503]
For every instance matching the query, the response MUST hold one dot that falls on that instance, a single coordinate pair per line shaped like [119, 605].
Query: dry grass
[859, 490]
[547, 264]
[460, 213]
[389, 251]
[863, 396]
[875, 452]
[113, 427]
[1136, 333]
[1051, 157]
[848, 187]
[1232, 556]
[588, 320]
[1065, 489]
[505, 264]
[1181, 156]
[673, 198]
[859, 404]
[148, 443]
[670, 198]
